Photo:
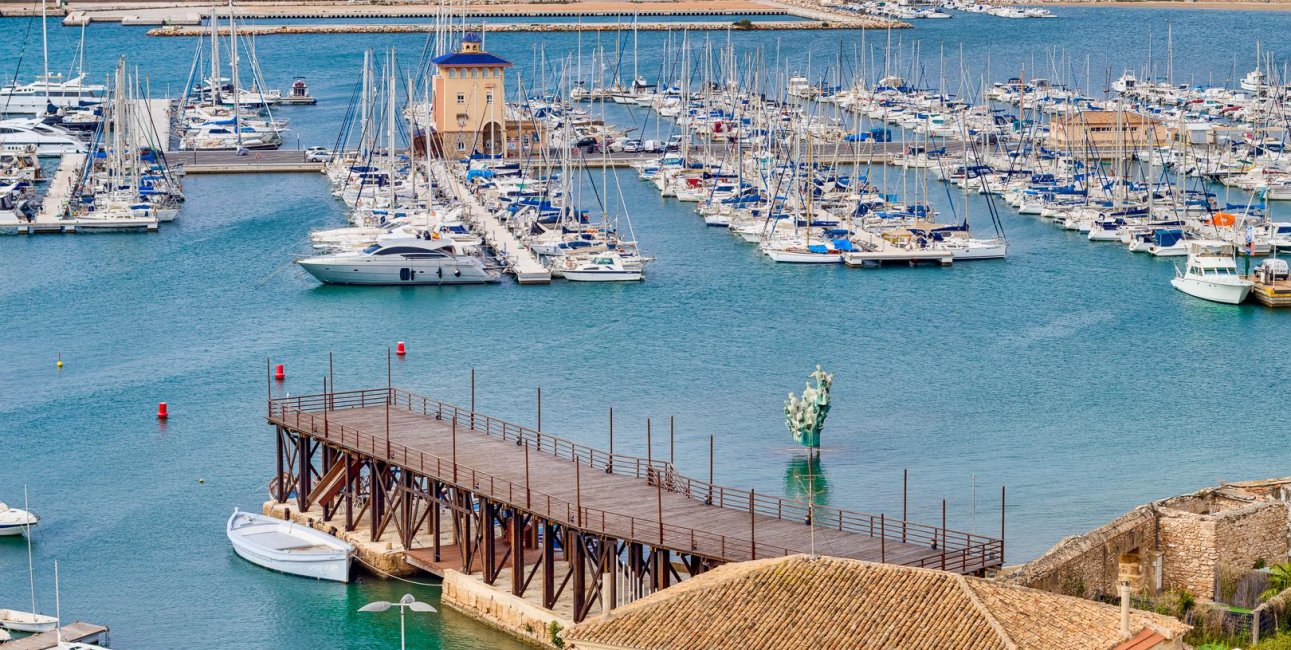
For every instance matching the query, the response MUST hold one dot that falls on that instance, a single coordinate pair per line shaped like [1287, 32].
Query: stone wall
[1201, 541]
[499, 609]
[1087, 565]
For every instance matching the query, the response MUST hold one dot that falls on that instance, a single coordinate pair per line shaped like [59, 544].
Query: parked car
[317, 155]
[631, 146]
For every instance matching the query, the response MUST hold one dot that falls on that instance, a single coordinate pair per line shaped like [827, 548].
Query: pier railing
[959, 551]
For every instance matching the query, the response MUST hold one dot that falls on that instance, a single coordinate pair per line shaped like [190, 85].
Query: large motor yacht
[400, 262]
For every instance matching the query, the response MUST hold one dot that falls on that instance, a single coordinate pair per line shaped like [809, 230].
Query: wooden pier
[522, 503]
[77, 632]
[517, 257]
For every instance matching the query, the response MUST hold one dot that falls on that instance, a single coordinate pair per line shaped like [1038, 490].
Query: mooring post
[1002, 494]
[709, 500]
[883, 538]
[659, 503]
[942, 543]
[753, 528]
[672, 440]
[389, 394]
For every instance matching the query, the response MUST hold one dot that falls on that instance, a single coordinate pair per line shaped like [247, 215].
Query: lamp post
[405, 603]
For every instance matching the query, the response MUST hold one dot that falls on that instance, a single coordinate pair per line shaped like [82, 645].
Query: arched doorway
[492, 139]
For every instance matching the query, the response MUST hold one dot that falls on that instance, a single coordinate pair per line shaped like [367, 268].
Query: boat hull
[290, 548]
[26, 621]
[396, 273]
[1221, 292]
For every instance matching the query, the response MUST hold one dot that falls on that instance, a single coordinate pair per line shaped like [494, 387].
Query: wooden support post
[487, 511]
[376, 480]
[302, 479]
[578, 566]
[753, 528]
[465, 541]
[331, 381]
[905, 485]
[472, 399]
[517, 553]
[610, 465]
[883, 538]
[942, 544]
[436, 526]
[539, 408]
[528, 495]
[454, 449]
[609, 575]
[268, 385]
[649, 449]
[405, 505]
[349, 493]
[664, 578]
[578, 493]
[548, 564]
[282, 450]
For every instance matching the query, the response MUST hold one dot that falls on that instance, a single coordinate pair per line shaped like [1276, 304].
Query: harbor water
[1070, 372]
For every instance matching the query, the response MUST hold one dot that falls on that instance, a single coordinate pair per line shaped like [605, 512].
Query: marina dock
[52, 215]
[517, 257]
[77, 632]
[528, 501]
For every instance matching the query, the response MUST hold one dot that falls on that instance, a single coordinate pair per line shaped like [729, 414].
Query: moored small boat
[289, 547]
[12, 619]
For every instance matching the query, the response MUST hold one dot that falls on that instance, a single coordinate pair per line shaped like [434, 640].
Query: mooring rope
[390, 575]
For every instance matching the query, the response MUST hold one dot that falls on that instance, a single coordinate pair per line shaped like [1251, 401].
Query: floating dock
[52, 215]
[519, 503]
[1272, 294]
[517, 257]
[77, 632]
[279, 161]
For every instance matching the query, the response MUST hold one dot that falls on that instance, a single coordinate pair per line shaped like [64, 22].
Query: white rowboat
[289, 547]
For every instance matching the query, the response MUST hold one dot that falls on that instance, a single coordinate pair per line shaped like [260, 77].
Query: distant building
[830, 603]
[469, 111]
[1106, 134]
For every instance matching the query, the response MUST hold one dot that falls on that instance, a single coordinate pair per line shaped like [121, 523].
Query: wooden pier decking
[643, 501]
[519, 260]
[71, 633]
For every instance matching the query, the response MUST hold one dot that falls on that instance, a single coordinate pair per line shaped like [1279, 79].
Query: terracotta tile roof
[1144, 640]
[839, 604]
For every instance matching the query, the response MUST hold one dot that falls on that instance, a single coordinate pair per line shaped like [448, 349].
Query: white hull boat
[1211, 274]
[26, 621]
[289, 547]
[605, 267]
[400, 262]
[15, 521]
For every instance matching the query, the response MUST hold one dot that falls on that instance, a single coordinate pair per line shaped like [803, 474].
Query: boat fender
[457, 273]
[439, 272]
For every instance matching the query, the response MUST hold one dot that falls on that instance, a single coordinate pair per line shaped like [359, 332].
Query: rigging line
[390, 575]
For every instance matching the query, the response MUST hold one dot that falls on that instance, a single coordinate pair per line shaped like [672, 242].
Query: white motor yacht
[600, 267]
[1211, 273]
[400, 262]
[23, 133]
[16, 521]
[35, 98]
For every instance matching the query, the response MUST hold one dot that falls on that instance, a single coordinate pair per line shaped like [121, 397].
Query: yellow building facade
[469, 104]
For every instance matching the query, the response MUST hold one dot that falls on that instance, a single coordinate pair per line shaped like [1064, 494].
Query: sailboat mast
[44, 43]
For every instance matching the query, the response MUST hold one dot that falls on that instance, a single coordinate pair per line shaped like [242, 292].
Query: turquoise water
[1071, 372]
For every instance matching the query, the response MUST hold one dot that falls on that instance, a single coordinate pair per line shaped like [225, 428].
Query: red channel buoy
[400, 349]
[279, 373]
[162, 414]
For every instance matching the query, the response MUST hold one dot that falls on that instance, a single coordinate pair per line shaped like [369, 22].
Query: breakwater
[269, 30]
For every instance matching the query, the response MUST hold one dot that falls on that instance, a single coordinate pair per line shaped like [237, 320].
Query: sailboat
[27, 621]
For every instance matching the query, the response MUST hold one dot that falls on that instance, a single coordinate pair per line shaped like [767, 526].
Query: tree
[1279, 580]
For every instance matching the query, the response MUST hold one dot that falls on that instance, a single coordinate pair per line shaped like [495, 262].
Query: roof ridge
[985, 612]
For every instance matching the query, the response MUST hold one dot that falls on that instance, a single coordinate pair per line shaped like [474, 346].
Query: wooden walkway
[624, 497]
[72, 632]
[506, 246]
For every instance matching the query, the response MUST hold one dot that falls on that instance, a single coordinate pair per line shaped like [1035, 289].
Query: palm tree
[1279, 580]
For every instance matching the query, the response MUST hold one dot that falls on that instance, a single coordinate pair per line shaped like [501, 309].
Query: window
[461, 146]
[475, 73]
[497, 72]
[452, 73]
[461, 98]
[488, 99]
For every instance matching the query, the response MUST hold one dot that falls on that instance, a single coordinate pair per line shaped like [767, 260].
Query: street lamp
[405, 603]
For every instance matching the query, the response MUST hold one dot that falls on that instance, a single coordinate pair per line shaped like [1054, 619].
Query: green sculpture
[805, 416]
